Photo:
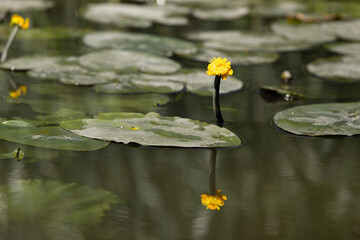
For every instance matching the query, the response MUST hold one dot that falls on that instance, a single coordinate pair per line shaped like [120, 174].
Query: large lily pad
[233, 40]
[52, 210]
[123, 61]
[321, 119]
[236, 58]
[137, 41]
[344, 69]
[52, 137]
[152, 130]
[344, 48]
[131, 15]
[217, 14]
[24, 5]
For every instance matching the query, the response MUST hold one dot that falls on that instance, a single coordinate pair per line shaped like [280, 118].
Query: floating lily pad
[28, 62]
[217, 14]
[233, 40]
[236, 58]
[347, 30]
[344, 48]
[24, 5]
[321, 119]
[52, 137]
[137, 41]
[342, 69]
[123, 61]
[280, 9]
[131, 15]
[50, 209]
[152, 130]
[315, 33]
[56, 117]
[274, 93]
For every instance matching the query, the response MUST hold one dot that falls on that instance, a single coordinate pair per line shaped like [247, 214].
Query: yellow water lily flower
[20, 21]
[220, 67]
[21, 90]
[213, 202]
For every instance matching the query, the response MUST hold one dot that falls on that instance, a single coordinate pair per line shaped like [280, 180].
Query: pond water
[278, 185]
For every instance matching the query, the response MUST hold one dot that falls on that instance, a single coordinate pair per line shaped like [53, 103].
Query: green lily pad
[315, 33]
[51, 209]
[279, 9]
[52, 137]
[348, 30]
[344, 48]
[131, 15]
[344, 69]
[153, 130]
[278, 93]
[236, 58]
[321, 119]
[22, 5]
[221, 14]
[236, 41]
[137, 41]
[28, 62]
[56, 117]
[128, 62]
[197, 81]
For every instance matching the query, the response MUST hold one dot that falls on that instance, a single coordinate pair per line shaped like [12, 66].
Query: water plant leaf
[273, 93]
[151, 129]
[236, 58]
[52, 137]
[278, 9]
[341, 68]
[51, 208]
[344, 48]
[17, 154]
[137, 41]
[237, 41]
[28, 62]
[131, 15]
[321, 119]
[217, 14]
[21, 5]
[56, 117]
[197, 81]
[128, 62]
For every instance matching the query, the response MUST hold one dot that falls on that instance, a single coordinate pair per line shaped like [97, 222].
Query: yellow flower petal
[220, 67]
[20, 21]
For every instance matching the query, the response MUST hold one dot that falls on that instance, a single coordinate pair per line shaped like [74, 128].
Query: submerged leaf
[321, 119]
[152, 130]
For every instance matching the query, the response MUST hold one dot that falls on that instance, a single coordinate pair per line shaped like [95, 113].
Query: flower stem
[9, 43]
[216, 101]
[212, 172]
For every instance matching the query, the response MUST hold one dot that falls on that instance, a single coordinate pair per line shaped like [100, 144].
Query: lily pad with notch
[151, 129]
[331, 119]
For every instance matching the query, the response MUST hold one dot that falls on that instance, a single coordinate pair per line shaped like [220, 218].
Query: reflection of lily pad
[131, 15]
[23, 5]
[321, 119]
[279, 93]
[233, 40]
[128, 62]
[47, 137]
[152, 130]
[137, 41]
[236, 58]
[52, 210]
[344, 48]
[341, 69]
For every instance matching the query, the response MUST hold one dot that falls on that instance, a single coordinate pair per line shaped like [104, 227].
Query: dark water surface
[278, 185]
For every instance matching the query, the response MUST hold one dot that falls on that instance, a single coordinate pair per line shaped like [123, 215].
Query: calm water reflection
[279, 186]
